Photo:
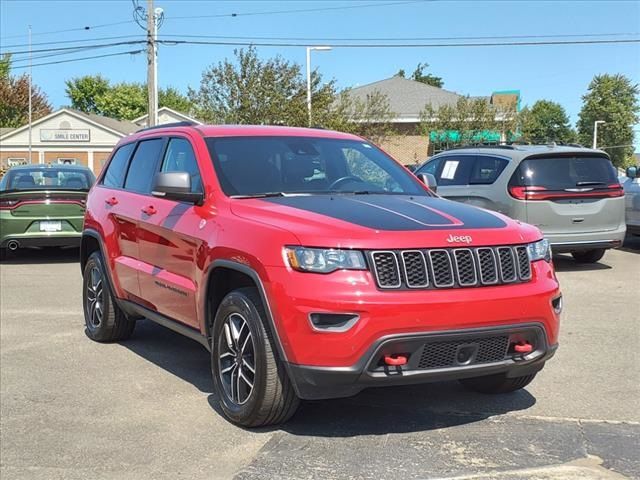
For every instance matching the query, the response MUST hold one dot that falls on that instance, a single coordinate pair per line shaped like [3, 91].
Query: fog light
[557, 304]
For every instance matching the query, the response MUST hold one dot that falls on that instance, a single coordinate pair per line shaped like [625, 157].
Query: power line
[131, 52]
[96, 45]
[299, 10]
[78, 40]
[400, 39]
[403, 45]
[77, 29]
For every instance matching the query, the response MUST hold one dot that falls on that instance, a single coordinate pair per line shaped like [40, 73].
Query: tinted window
[455, 170]
[180, 158]
[143, 166]
[48, 179]
[117, 168]
[487, 169]
[431, 166]
[565, 172]
[256, 165]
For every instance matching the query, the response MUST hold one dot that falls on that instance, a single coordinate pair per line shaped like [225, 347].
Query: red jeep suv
[311, 265]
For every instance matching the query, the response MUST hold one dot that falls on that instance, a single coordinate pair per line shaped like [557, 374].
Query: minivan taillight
[541, 193]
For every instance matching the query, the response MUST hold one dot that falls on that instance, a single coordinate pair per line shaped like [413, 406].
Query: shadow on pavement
[33, 256]
[372, 412]
[566, 263]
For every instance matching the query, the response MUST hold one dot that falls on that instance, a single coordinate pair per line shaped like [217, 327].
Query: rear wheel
[251, 381]
[588, 256]
[105, 321]
[497, 383]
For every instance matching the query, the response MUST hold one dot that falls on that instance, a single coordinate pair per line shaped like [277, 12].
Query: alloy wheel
[95, 297]
[236, 359]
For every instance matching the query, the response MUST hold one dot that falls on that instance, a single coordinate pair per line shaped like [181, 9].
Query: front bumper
[431, 357]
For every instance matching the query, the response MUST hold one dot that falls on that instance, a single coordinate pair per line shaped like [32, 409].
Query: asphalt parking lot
[144, 409]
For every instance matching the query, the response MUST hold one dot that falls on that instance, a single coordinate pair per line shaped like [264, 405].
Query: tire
[112, 325]
[588, 256]
[499, 383]
[251, 399]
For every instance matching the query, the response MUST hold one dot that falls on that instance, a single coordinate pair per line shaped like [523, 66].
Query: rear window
[48, 179]
[560, 173]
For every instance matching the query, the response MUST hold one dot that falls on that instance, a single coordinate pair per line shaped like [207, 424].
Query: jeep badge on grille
[459, 239]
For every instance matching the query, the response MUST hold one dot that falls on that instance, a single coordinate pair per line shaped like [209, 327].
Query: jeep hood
[384, 221]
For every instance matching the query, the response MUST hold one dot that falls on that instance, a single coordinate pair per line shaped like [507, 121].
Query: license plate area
[50, 226]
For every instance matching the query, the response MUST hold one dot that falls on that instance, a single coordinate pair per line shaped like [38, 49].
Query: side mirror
[175, 186]
[429, 180]
[632, 172]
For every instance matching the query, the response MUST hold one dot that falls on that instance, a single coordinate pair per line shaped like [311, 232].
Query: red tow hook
[395, 360]
[523, 347]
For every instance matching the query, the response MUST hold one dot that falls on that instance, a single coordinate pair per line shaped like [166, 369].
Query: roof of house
[122, 126]
[407, 98]
[6, 130]
[171, 111]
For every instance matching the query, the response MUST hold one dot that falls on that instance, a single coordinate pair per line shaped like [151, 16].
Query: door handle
[111, 201]
[149, 210]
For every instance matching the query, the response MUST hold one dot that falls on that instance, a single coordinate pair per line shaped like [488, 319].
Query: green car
[43, 206]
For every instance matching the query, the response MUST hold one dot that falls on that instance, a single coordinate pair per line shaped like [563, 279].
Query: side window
[361, 166]
[143, 166]
[114, 176]
[455, 170]
[181, 158]
[487, 169]
[431, 166]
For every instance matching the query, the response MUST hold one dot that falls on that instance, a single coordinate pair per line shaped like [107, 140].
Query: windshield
[560, 173]
[47, 179]
[256, 166]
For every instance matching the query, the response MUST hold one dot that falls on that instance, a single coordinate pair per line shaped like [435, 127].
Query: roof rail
[168, 125]
[471, 145]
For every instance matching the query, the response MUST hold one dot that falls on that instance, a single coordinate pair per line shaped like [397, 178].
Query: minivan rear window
[561, 173]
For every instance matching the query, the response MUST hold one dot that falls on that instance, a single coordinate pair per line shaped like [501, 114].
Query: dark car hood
[380, 221]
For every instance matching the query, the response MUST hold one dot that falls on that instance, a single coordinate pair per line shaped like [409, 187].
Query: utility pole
[595, 132]
[30, 94]
[152, 66]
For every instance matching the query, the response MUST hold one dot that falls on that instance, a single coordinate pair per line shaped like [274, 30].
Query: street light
[595, 132]
[322, 49]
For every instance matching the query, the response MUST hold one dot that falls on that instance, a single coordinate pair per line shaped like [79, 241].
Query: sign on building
[69, 135]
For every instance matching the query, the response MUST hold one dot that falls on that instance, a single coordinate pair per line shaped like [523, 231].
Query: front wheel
[251, 381]
[105, 321]
[588, 256]
[499, 383]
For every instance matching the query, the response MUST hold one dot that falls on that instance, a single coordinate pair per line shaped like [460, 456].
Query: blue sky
[558, 73]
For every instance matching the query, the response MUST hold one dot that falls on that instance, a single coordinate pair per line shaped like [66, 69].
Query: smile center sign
[77, 135]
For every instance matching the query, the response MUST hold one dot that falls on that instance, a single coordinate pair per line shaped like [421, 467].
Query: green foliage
[614, 99]
[470, 117]
[5, 66]
[419, 76]
[14, 98]
[546, 122]
[250, 90]
[125, 100]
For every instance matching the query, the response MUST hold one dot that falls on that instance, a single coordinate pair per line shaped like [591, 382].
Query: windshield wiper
[586, 184]
[270, 194]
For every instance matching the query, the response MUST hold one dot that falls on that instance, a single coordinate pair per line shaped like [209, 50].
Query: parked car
[631, 187]
[42, 206]
[312, 266]
[571, 193]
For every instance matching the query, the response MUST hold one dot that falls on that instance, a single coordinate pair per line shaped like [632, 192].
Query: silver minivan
[571, 193]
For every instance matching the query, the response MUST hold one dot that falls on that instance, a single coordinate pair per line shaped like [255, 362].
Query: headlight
[540, 250]
[324, 260]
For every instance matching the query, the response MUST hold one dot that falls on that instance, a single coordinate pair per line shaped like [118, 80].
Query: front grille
[451, 267]
[445, 354]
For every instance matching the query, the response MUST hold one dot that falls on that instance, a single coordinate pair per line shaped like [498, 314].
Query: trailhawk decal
[394, 212]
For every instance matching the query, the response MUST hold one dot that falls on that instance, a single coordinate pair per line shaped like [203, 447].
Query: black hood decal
[395, 212]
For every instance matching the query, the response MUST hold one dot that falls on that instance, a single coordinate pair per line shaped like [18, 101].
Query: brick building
[407, 98]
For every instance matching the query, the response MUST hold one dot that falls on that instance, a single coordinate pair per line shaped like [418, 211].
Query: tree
[614, 99]
[250, 90]
[14, 98]
[472, 119]
[124, 100]
[545, 122]
[419, 76]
